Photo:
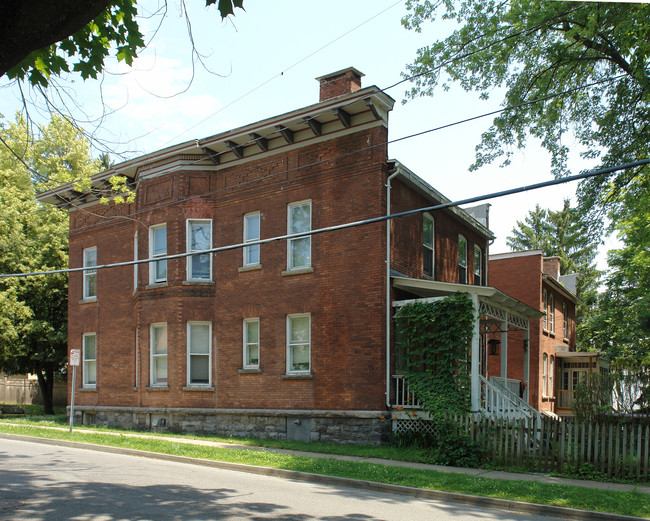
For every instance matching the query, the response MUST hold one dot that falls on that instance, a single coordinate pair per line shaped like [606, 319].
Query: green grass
[627, 503]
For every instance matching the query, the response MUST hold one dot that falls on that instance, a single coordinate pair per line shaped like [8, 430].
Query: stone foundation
[353, 427]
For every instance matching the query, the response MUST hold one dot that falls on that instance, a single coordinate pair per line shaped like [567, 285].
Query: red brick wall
[344, 294]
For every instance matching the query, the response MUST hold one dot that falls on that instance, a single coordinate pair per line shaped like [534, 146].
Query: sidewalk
[491, 474]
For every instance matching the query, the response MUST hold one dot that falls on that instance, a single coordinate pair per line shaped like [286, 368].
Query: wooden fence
[613, 448]
[25, 391]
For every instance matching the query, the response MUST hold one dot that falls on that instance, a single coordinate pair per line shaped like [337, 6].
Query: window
[158, 248]
[251, 343]
[545, 309]
[158, 336]
[90, 276]
[199, 353]
[478, 265]
[427, 244]
[551, 372]
[544, 374]
[462, 259]
[299, 250]
[135, 257]
[551, 313]
[565, 322]
[298, 343]
[252, 233]
[199, 237]
[90, 360]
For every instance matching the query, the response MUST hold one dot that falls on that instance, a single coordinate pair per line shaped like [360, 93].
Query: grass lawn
[627, 503]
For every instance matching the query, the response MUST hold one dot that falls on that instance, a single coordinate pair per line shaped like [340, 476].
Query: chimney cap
[331, 75]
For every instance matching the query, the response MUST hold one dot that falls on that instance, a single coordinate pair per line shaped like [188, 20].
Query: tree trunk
[46, 384]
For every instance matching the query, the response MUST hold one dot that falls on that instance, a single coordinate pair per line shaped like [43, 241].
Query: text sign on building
[75, 356]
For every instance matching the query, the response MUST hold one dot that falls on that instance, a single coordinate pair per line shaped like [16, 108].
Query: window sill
[197, 388]
[298, 271]
[298, 376]
[565, 340]
[551, 334]
[250, 267]
[154, 285]
[88, 300]
[198, 282]
[428, 277]
[157, 388]
[250, 370]
[88, 390]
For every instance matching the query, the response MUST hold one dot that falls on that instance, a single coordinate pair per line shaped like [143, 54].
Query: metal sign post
[75, 358]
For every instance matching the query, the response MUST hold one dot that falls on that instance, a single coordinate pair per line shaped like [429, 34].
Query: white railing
[499, 402]
[509, 384]
[403, 397]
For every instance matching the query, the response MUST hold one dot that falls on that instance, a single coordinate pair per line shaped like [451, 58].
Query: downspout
[388, 301]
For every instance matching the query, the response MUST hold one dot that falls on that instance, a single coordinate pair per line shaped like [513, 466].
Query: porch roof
[488, 296]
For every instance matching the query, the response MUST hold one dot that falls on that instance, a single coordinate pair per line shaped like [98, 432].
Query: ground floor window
[199, 353]
[90, 360]
[159, 354]
[298, 343]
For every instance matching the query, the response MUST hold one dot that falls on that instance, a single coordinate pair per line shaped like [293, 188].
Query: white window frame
[545, 308]
[188, 228]
[249, 238]
[135, 258]
[153, 279]
[544, 374]
[462, 262]
[291, 242]
[248, 344]
[551, 313]
[89, 274]
[429, 247]
[87, 362]
[551, 370]
[154, 355]
[190, 354]
[291, 343]
[478, 266]
[565, 317]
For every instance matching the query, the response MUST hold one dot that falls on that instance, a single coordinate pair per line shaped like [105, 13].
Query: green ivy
[434, 340]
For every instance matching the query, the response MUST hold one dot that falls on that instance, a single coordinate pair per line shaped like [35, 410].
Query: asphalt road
[44, 482]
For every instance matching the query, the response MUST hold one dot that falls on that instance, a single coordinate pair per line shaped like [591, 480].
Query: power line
[374, 220]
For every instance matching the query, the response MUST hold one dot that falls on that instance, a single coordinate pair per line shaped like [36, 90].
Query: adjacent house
[281, 332]
[556, 368]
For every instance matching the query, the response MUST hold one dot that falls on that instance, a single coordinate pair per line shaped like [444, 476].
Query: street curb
[419, 493]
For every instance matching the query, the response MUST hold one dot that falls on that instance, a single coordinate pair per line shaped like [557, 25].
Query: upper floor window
[478, 265]
[427, 244]
[199, 237]
[462, 259]
[565, 321]
[199, 353]
[252, 233]
[158, 335]
[158, 248]
[545, 309]
[298, 343]
[251, 343]
[299, 250]
[551, 313]
[90, 360]
[90, 276]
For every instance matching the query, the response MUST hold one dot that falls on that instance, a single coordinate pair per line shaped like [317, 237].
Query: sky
[264, 61]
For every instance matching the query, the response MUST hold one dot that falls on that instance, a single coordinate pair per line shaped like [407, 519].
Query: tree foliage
[33, 322]
[56, 36]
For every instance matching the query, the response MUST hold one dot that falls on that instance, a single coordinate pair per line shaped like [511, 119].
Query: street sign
[75, 357]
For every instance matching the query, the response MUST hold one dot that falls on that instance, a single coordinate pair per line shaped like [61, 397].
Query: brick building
[555, 366]
[285, 338]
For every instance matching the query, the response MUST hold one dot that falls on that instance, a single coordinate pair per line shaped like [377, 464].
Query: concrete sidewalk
[492, 474]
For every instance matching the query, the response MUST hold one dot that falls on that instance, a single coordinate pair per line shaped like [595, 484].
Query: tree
[40, 39]
[569, 69]
[33, 237]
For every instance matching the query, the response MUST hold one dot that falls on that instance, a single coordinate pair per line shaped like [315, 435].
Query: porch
[500, 323]
[573, 369]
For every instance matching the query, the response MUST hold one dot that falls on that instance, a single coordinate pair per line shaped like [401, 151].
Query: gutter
[395, 172]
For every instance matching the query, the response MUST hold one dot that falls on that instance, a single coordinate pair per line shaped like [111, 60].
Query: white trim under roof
[513, 254]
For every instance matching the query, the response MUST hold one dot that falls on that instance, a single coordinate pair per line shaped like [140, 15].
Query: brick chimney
[339, 83]
[552, 267]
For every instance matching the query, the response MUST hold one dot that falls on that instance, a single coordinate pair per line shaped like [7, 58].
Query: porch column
[475, 369]
[527, 361]
[504, 348]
